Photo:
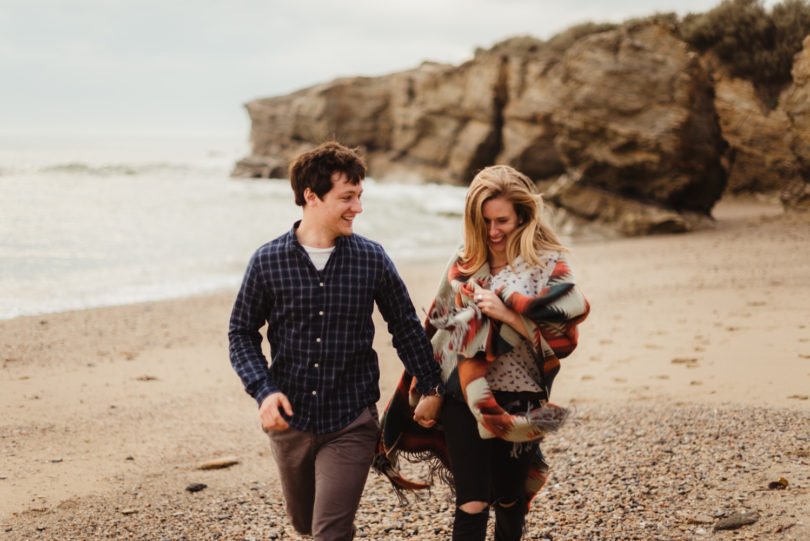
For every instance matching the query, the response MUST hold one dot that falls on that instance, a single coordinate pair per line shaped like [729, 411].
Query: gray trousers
[323, 475]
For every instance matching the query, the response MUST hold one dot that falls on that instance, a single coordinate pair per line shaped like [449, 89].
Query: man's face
[336, 211]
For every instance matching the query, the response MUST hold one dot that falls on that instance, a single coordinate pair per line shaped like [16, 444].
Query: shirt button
[320, 313]
[321, 284]
[316, 365]
[318, 340]
[314, 393]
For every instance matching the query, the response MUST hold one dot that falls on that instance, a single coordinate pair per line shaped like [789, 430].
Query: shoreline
[109, 409]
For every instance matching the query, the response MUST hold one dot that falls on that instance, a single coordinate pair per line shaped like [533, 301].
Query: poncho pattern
[464, 342]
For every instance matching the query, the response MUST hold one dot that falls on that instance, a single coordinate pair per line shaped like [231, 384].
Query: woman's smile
[501, 219]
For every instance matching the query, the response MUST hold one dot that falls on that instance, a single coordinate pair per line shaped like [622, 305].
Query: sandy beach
[690, 387]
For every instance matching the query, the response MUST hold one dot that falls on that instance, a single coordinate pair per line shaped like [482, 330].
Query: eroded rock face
[769, 149]
[629, 112]
[579, 205]
[759, 157]
[629, 121]
[443, 125]
[796, 104]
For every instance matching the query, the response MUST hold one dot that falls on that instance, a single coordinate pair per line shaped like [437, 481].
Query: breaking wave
[127, 169]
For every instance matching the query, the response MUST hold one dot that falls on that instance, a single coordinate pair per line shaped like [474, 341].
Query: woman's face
[501, 219]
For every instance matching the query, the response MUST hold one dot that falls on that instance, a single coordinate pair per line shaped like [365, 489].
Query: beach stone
[737, 520]
[196, 487]
[218, 463]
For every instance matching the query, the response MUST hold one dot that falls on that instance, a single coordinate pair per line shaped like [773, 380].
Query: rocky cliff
[769, 149]
[627, 127]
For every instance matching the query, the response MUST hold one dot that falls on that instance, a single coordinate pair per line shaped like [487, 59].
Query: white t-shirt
[319, 256]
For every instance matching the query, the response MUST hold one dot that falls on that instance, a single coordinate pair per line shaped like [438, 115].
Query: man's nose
[357, 208]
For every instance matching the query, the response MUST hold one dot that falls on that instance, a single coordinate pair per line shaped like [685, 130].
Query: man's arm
[247, 317]
[411, 343]
[409, 338]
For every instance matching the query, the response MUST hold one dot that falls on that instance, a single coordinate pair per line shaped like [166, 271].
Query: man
[315, 287]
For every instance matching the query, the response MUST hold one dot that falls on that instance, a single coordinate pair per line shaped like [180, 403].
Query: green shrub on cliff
[751, 42]
[791, 21]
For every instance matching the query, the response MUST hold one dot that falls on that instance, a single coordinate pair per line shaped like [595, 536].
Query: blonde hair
[531, 235]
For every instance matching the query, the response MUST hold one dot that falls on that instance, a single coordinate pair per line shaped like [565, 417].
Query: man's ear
[310, 196]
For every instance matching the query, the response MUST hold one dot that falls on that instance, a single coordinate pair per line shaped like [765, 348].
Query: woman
[506, 311]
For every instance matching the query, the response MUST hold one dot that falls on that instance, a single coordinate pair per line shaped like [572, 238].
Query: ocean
[99, 221]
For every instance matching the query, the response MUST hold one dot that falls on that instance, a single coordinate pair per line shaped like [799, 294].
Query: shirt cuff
[262, 389]
[436, 389]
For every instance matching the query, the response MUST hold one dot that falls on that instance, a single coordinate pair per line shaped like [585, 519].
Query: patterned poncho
[465, 341]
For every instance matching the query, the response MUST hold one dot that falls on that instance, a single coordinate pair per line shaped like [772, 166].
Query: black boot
[509, 521]
[467, 527]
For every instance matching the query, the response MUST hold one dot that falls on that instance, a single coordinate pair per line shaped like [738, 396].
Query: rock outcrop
[627, 127]
[796, 104]
[759, 158]
[627, 117]
[769, 149]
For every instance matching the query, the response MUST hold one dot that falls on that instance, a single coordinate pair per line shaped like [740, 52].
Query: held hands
[270, 415]
[427, 410]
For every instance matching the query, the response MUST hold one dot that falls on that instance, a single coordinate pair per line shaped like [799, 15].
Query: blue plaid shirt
[320, 329]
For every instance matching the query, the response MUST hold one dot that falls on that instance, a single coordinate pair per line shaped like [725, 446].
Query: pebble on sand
[218, 463]
[737, 520]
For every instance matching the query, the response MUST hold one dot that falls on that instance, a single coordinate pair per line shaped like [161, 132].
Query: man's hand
[427, 410]
[270, 415]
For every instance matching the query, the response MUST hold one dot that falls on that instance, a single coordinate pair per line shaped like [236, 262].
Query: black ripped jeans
[487, 470]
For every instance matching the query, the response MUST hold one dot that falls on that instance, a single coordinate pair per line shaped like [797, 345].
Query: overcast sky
[175, 67]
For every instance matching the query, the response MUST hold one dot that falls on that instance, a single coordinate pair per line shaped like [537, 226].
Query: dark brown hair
[314, 169]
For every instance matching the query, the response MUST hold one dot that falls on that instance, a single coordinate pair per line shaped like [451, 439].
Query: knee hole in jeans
[473, 507]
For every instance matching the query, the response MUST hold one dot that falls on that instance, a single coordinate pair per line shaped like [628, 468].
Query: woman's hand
[491, 305]
[427, 410]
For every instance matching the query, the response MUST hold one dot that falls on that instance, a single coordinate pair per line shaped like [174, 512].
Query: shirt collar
[293, 238]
